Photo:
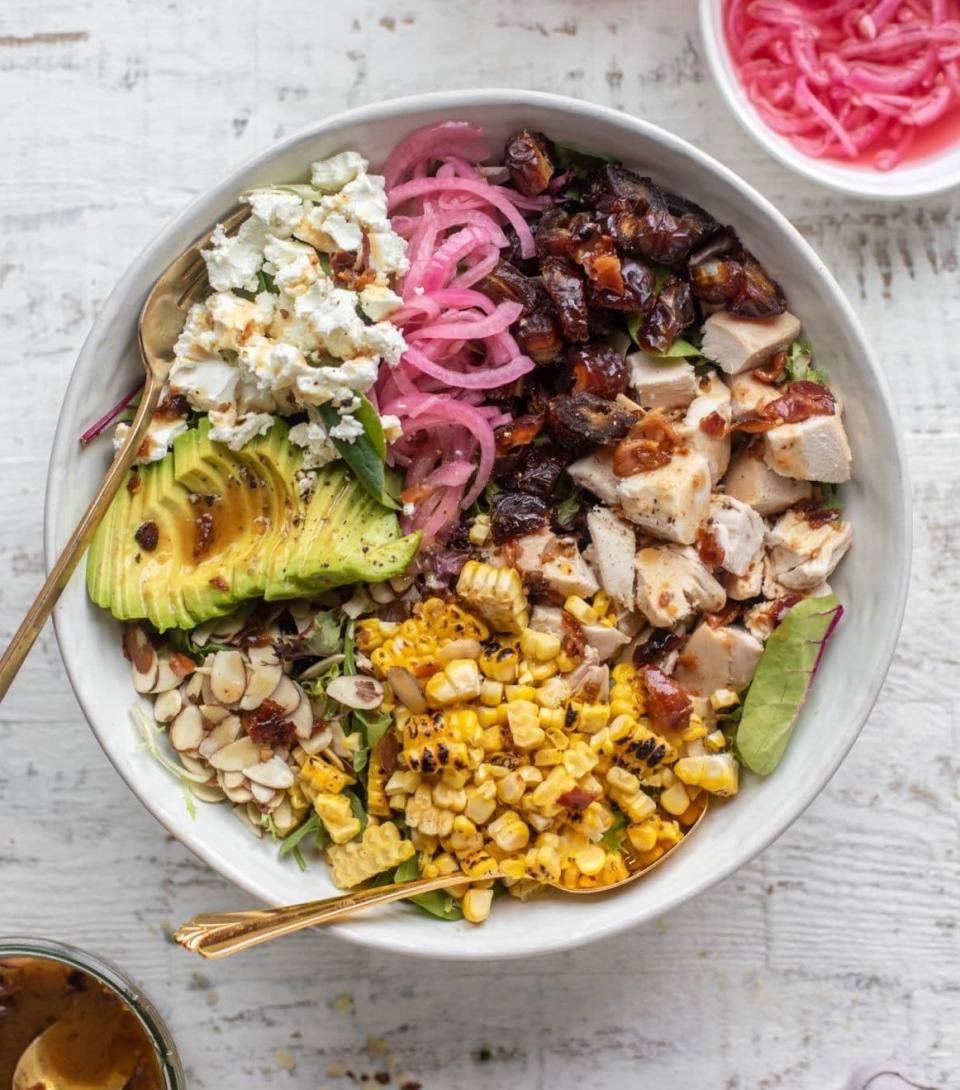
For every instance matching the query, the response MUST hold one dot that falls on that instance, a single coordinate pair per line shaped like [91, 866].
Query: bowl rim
[889, 186]
[114, 311]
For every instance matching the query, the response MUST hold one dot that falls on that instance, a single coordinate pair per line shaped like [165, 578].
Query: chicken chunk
[738, 530]
[803, 556]
[747, 395]
[816, 449]
[740, 344]
[713, 396]
[661, 384]
[671, 502]
[673, 583]
[718, 658]
[760, 620]
[595, 474]
[752, 481]
[547, 619]
[614, 546]
[749, 585]
[605, 639]
[555, 561]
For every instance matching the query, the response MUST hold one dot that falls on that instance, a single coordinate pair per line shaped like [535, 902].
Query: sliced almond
[186, 731]
[286, 695]
[261, 794]
[236, 756]
[356, 691]
[275, 773]
[238, 794]
[222, 735]
[262, 679]
[167, 706]
[228, 677]
[407, 689]
[192, 687]
[263, 655]
[283, 817]
[302, 717]
[213, 713]
[195, 765]
[321, 666]
[317, 742]
[167, 678]
[231, 779]
[143, 680]
[206, 792]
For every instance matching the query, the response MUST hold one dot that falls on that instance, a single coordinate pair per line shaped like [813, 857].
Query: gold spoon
[77, 1054]
[158, 328]
[220, 934]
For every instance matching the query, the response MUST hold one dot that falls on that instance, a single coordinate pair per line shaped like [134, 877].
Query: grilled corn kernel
[455, 777]
[491, 692]
[493, 740]
[381, 848]
[525, 676]
[511, 788]
[579, 759]
[481, 802]
[459, 681]
[448, 798]
[695, 730]
[717, 773]
[499, 662]
[546, 757]
[480, 530]
[540, 646]
[622, 780]
[402, 782]
[623, 672]
[547, 796]
[320, 776]
[566, 663]
[523, 717]
[335, 813]
[543, 671]
[543, 864]
[553, 693]
[478, 862]
[590, 861]
[476, 904]
[592, 717]
[487, 717]
[465, 837]
[723, 698]
[675, 799]
[715, 741]
[602, 603]
[583, 611]
[422, 813]
[552, 718]
[520, 692]
[496, 594]
[509, 832]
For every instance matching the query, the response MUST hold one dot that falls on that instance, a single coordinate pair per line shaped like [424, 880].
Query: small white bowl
[922, 178]
[872, 581]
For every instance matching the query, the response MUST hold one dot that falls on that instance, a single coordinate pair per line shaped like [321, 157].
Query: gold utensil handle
[219, 934]
[51, 590]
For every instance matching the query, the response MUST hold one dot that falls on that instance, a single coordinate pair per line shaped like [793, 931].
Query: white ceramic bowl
[872, 581]
[934, 174]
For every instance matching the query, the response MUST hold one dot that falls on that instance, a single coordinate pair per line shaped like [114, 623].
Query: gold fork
[161, 320]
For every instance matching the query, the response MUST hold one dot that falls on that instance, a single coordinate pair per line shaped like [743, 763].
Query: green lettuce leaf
[365, 455]
[437, 902]
[784, 675]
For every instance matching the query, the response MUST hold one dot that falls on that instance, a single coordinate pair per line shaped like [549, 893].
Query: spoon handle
[219, 934]
[51, 590]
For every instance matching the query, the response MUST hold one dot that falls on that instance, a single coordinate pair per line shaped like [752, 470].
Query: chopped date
[639, 289]
[540, 471]
[513, 514]
[147, 536]
[508, 284]
[760, 296]
[597, 369]
[552, 235]
[774, 372]
[664, 238]
[578, 419]
[615, 188]
[709, 549]
[565, 286]
[520, 432]
[667, 702]
[172, 407]
[527, 156]
[717, 280]
[799, 401]
[726, 616]
[816, 516]
[713, 425]
[650, 444]
[657, 646]
[671, 314]
[539, 336]
[268, 725]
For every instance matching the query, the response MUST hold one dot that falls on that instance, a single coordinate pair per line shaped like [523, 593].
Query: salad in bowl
[487, 522]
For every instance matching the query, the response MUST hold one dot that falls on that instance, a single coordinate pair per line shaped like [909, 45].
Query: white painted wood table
[839, 947]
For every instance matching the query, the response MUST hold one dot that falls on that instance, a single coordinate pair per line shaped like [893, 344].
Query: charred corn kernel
[425, 845]
[717, 773]
[583, 611]
[511, 788]
[478, 862]
[546, 757]
[553, 693]
[622, 780]
[520, 692]
[543, 864]
[447, 621]
[601, 742]
[537, 822]
[531, 776]
[377, 802]
[476, 904]
[675, 799]
[525, 675]
[602, 603]
[448, 798]
[614, 869]
[566, 663]
[423, 813]
[491, 692]
[479, 532]
[623, 672]
[723, 698]
[481, 802]
[429, 743]
[496, 594]
[715, 741]
[551, 719]
[509, 832]
[465, 837]
[539, 646]
[523, 717]
[579, 759]
[492, 740]
[643, 837]
[591, 860]
[499, 662]
[337, 817]
[318, 775]
[667, 778]
[592, 717]
[695, 730]
[403, 782]
[513, 868]
[622, 727]
[543, 671]
[381, 848]
[459, 681]
[637, 806]
[456, 777]
[623, 701]
[669, 833]
[638, 749]
[487, 717]
[557, 737]
[547, 796]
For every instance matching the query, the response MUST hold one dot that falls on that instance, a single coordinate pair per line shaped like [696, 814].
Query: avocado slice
[206, 528]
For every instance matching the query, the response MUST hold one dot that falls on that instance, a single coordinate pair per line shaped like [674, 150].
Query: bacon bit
[660, 643]
[709, 549]
[650, 444]
[147, 536]
[343, 265]
[713, 425]
[815, 516]
[133, 484]
[774, 373]
[219, 583]
[520, 432]
[138, 648]
[799, 402]
[577, 798]
[268, 725]
[182, 665]
[574, 638]
[667, 703]
[724, 617]
[203, 535]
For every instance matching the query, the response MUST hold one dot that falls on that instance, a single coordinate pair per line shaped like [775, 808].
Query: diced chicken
[752, 481]
[763, 618]
[713, 396]
[748, 585]
[738, 530]
[748, 394]
[816, 449]
[740, 344]
[605, 639]
[547, 619]
[671, 502]
[661, 384]
[718, 658]
[803, 556]
[614, 546]
[544, 558]
[673, 583]
[595, 474]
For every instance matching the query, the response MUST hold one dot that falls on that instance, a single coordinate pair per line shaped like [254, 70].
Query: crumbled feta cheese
[409, 509]
[318, 448]
[293, 265]
[392, 428]
[348, 430]
[388, 253]
[379, 302]
[280, 209]
[206, 383]
[337, 171]
[160, 435]
[236, 431]
[235, 262]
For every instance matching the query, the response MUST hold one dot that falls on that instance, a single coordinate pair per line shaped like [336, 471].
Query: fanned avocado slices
[189, 537]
